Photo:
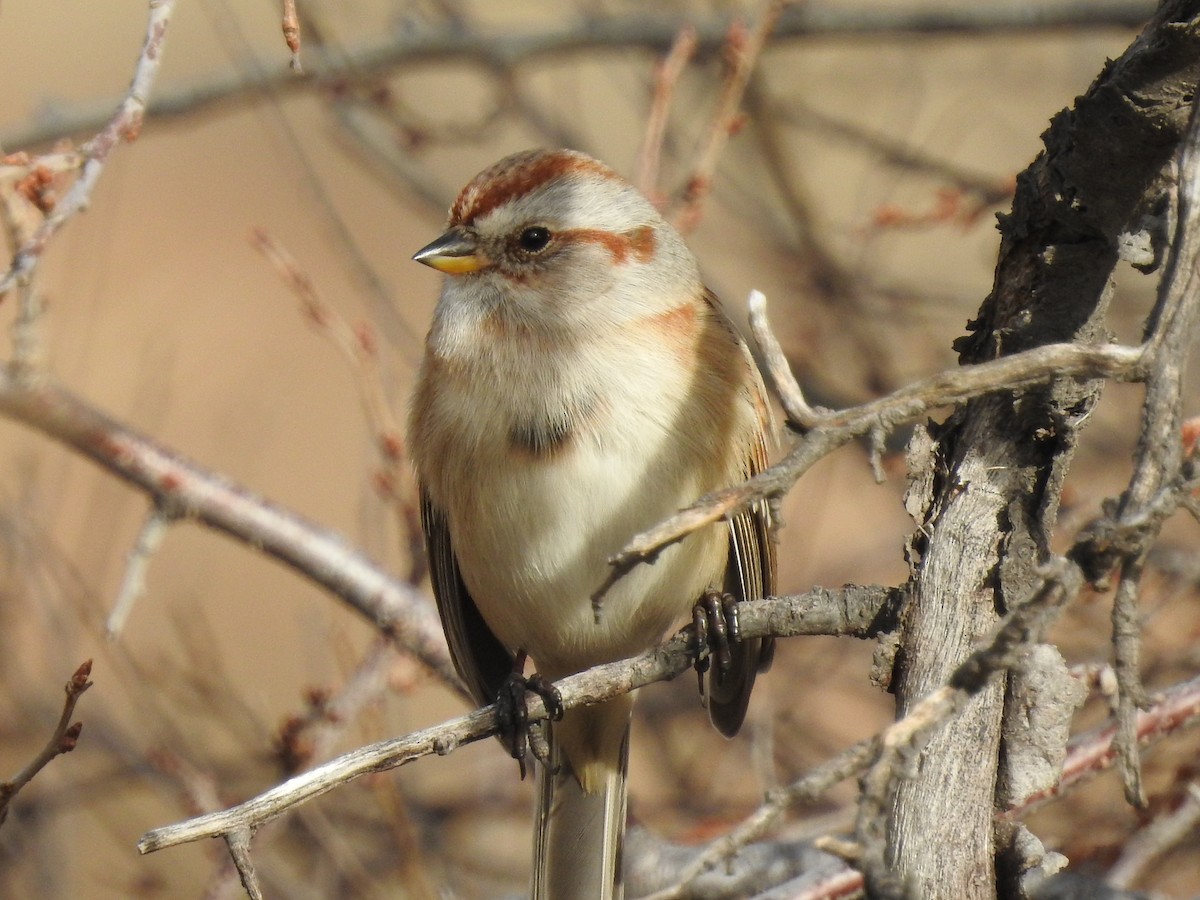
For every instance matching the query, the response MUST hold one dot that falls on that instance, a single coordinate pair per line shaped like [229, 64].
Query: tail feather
[579, 835]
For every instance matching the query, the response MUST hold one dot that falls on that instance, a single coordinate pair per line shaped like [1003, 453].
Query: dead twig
[742, 49]
[825, 431]
[666, 76]
[1159, 461]
[133, 584]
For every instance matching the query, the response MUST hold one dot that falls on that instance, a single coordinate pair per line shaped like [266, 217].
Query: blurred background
[858, 193]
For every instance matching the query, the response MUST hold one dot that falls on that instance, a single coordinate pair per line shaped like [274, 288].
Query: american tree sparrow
[579, 385]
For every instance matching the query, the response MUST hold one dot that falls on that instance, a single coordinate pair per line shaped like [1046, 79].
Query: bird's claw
[715, 623]
[512, 710]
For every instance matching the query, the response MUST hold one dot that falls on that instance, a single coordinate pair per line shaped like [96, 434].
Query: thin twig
[489, 49]
[153, 530]
[1088, 754]
[124, 125]
[850, 762]
[831, 429]
[849, 611]
[742, 49]
[1159, 460]
[309, 736]
[28, 193]
[800, 415]
[63, 739]
[238, 842]
[666, 76]
[360, 348]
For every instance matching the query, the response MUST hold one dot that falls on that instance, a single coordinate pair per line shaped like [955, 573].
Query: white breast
[533, 535]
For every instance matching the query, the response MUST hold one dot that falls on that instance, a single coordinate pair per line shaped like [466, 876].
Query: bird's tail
[580, 821]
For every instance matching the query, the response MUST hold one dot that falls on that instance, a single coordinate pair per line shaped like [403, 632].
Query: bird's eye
[534, 239]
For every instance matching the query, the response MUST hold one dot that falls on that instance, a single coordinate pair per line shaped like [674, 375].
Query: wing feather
[750, 574]
[481, 660]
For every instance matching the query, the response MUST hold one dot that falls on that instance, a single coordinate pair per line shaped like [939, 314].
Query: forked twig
[62, 740]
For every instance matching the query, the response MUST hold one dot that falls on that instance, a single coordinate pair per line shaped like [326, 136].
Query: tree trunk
[995, 469]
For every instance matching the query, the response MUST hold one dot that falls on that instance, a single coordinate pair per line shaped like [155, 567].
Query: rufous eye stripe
[516, 176]
[638, 243]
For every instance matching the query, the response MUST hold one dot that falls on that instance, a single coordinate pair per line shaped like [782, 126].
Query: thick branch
[187, 490]
[994, 472]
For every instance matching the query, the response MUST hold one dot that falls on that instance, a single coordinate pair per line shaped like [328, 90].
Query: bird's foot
[512, 708]
[715, 622]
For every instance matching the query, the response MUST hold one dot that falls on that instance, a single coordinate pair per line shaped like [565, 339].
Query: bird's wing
[751, 571]
[482, 661]
[750, 575]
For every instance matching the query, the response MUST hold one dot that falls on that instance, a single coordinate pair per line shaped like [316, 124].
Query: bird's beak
[455, 253]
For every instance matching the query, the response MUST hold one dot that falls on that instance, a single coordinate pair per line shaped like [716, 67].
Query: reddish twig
[291, 34]
[1094, 751]
[359, 347]
[666, 76]
[951, 206]
[742, 48]
[63, 740]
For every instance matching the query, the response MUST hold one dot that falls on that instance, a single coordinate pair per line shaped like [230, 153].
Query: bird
[579, 385]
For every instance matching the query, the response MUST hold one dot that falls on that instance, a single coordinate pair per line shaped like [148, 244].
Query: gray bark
[986, 515]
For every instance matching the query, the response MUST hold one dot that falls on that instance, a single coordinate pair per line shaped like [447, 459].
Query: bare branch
[1159, 480]
[778, 370]
[1089, 754]
[309, 736]
[742, 50]
[62, 740]
[656, 33]
[859, 611]
[153, 530]
[397, 609]
[123, 126]
[850, 762]
[238, 842]
[359, 347]
[829, 430]
[666, 76]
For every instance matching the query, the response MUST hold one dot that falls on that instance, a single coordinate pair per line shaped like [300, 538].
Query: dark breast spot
[551, 431]
[541, 438]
